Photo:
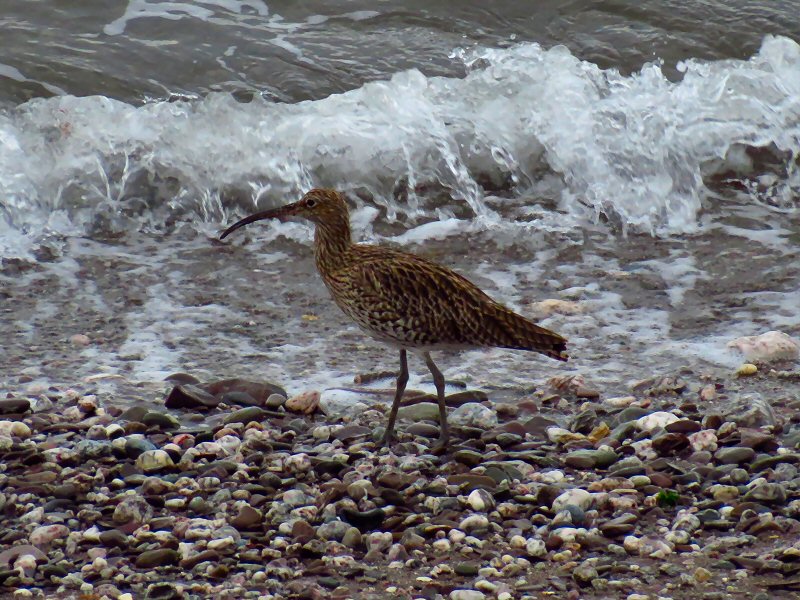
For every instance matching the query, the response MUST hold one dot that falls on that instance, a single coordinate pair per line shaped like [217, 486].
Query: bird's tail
[527, 335]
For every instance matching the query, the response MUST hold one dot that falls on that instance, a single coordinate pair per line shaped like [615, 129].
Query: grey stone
[771, 493]
[735, 455]
[246, 415]
[93, 449]
[160, 557]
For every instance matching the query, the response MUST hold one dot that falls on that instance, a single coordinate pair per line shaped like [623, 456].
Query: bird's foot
[387, 440]
[441, 445]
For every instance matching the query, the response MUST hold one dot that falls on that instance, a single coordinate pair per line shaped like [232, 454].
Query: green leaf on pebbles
[667, 498]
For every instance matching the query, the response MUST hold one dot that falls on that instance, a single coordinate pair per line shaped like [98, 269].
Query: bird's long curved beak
[279, 213]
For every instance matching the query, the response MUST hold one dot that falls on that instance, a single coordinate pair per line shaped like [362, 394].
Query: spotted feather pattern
[408, 301]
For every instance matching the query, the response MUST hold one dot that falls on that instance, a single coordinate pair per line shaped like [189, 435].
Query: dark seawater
[639, 160]
[292, 52]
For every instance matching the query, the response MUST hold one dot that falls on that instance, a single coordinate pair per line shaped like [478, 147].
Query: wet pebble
[735, 455]
[473, 414]
[93, 449]
[304, 403]
[770, 493]
[12, 406]
[16, 429]
[46, 534]
[423, 411]
[589, 459]
[247, 518]
[276, 401]
[160, 557]
[467, 595]
[768, 347]
[246, 415]
[656, 420]
[341, 405]
[191, 397]
[578, 497]
[481, 501]
[258, 390]
[153, 461]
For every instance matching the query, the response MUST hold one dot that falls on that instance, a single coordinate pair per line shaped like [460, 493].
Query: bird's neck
[331, 241]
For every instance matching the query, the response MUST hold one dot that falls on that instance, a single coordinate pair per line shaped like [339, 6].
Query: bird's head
[322, 206]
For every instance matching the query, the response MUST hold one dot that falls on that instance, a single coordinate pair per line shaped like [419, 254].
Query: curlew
[406, 301]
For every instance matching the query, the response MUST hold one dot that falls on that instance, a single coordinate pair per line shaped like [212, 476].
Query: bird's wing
[421, 298]
[406, 297]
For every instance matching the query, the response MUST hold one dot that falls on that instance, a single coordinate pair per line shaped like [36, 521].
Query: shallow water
[640, 160]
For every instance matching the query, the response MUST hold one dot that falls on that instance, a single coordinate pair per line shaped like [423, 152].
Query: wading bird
[406, 301]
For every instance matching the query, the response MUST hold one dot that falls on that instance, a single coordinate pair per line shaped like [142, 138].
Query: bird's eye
[311, 203]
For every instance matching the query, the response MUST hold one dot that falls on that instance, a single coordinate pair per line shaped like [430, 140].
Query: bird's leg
[438, 381]
[402, 380]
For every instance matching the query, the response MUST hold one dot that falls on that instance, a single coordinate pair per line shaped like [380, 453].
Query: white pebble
[151, 461]
[222, 543]
[571, 534]
[44, 535]
[322, 433]
[655, 420]
[559, 435]
[486, 586]
[229, 443]
[379, 541]
[620, 401]
[480, 500]
[535, 548]
[703, 440]
[644, 449]
[456, 536]
[295, 498]
[768, 347]
[15, 429]
[79, 339]
[576, 496]
[466, 595]
[473, 523]
[473, 414]
[631, 543]
[554, 476]
[687, 522]
[26, 562]
[341, 404]
[298, 463]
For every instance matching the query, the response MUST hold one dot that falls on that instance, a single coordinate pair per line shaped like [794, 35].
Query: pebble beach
[687, 487]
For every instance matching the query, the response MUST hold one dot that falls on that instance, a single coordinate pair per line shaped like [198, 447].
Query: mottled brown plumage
[406, 301]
